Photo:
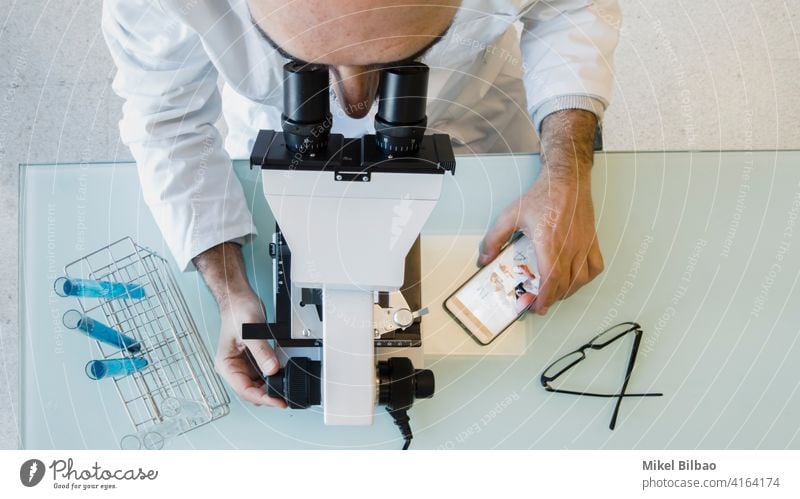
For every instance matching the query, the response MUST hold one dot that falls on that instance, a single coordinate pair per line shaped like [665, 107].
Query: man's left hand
[556, 213]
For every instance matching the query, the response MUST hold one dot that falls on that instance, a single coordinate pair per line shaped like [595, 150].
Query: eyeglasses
[602, 340]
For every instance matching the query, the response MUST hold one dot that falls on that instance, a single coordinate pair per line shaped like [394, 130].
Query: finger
[595, 260]
[547, 263]
[498, 235]
[563, 287]
[548, 291]
[579, 276]
[255, 393]
[260, 397]
[245, 386]
[264, 356]
[265, 360]
[524, 302]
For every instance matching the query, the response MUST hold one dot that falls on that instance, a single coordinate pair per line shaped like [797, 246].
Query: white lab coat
[485, 85]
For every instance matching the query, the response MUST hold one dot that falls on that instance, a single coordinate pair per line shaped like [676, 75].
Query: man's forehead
[352, 32]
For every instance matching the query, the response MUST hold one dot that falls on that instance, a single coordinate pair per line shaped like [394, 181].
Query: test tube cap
[96, 369]
[130, 442]
[71, 319]
[62, 286]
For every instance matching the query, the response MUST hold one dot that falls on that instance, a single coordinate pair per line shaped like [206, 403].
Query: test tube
[89, 288]
[154, 437]
[111, 368]
[180, 416]
[191, 410]
[97, 330]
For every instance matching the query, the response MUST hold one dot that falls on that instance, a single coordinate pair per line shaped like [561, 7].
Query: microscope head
[362, 248]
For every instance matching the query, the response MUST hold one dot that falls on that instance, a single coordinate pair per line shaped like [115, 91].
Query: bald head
[353, 37]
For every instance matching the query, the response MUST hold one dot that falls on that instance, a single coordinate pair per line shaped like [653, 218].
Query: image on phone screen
[493, 298]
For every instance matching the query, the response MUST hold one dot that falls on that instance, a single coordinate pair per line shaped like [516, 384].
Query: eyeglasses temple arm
[604, 395]
[631, 361]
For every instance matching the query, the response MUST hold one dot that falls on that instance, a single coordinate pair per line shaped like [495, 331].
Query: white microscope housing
[350, 210]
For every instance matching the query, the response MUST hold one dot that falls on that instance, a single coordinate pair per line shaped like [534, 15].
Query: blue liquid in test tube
[112, 368]
[97, 330]
[89, 288]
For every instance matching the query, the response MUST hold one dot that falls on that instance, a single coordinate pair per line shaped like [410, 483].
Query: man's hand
[241, 363]
[556, 213]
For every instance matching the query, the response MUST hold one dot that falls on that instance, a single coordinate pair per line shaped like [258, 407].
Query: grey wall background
[705, 75]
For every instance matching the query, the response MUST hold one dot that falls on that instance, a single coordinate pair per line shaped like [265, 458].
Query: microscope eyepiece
[306, 115]
[402, 97]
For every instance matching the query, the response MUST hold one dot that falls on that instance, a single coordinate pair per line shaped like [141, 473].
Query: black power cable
[401, 419]
[399, 384]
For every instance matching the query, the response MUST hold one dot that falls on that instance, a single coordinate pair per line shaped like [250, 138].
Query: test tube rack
[179, 365]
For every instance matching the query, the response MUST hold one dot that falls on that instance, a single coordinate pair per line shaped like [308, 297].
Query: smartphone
[498, 294]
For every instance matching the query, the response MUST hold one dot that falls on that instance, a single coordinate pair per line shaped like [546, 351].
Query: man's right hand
[241, 363]
[244, 363]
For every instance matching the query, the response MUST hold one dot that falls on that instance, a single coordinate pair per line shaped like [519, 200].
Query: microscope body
[348, 210]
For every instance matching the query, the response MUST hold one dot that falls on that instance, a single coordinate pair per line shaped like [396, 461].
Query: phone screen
[499, 293]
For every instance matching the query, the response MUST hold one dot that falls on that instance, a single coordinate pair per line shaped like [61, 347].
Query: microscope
[345, 251]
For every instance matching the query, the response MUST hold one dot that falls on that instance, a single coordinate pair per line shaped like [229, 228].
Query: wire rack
[179, 365]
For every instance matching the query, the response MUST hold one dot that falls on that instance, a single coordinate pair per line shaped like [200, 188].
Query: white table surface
[702, 249]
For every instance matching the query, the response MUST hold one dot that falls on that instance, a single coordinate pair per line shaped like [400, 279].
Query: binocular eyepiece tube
[306, 119]
[399, 123]
[402, 99]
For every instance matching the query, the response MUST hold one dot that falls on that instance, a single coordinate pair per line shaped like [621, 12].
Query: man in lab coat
[489, 89]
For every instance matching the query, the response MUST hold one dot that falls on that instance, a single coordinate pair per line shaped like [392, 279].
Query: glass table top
[699, 248]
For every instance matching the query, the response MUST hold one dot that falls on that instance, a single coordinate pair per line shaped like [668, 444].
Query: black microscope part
[402, 100]
[402, 93]
[398, 146]
[399, 384]
[298, 383]
[306, 118]
[312, 297]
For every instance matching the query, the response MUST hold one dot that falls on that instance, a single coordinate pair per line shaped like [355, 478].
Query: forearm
[222, 267]
[567, 144]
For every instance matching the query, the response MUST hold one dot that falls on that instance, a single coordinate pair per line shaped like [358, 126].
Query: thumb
[497, 236]
[265, 357]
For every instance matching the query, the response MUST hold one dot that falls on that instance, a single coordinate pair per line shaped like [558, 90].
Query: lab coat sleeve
[171, 104]
[568, 55]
